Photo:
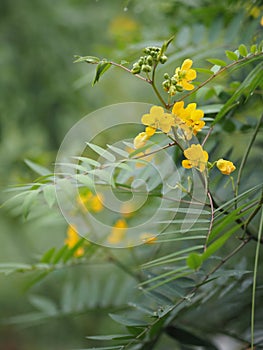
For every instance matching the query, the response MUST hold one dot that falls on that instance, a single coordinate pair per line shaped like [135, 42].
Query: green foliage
[176, 289]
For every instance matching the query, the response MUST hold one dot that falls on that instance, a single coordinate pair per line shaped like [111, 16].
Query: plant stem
[244, 159]
[255, 282]
[222, 70]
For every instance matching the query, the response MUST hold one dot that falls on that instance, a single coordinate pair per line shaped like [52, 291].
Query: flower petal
[187, 64]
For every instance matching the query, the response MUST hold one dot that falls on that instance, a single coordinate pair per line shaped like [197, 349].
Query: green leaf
[87, 59]
[185, 337]
[46, 258]
[70, 253]
[204, 71]
[49, 192]
[28, 202]
[215, 69]
[8, 268]
[85, 180]
[194, 261]
[247, 87]
[253, 49]
[243, 50]
[102, 152]
[39, 169]
[102, 67]
[119, 347]
[60, 254]
[111, 337]
[123, 62]
[166, 44]
[43, 304]
[216, 245]
[127, 321]
[231, 55]
[210, 109]
[216, 61]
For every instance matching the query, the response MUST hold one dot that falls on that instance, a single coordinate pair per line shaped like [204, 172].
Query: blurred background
[43, 94]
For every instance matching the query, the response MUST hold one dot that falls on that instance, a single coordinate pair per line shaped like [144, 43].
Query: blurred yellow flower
[225, 166]
[91, 202]
[196, 158]
[72, 239]
[148, 238]
[140, 140]
[124, 29]
[158, 119]
[118, 231]
[185, 75]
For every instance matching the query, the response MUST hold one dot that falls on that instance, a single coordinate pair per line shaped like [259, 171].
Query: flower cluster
[91, 202]
[198, 158]
[145, 63]
[189, 116]
[181, 80]
[72, 239]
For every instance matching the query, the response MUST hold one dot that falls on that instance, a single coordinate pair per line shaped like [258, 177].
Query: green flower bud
[141, 61]
[166, 76]
[136, 69]
[146, 68]
[163, 59]
[147, 50]
[179, 88]
[149, 60]
[173, 80]
[172, 90]
[166, 85]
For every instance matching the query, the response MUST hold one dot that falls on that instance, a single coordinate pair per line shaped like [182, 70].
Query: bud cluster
[145, 63]
[170, 84]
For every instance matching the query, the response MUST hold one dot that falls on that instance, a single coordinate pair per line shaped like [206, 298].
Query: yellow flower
[91, 202]
[118, 231]
[72, 239]
[142, 137]
[196, 157]
[190, 116]
[158, 119]
[185, 74]
[148, 238]
[124, 29]
[225, 166]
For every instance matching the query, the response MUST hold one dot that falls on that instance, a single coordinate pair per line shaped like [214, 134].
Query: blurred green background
[43, 94]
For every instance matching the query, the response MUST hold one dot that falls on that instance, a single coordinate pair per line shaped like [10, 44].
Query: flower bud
[173, 80]
[147, 50]
[166, 76]
[166, 85]
[149, 60]
[136, 69]
[146, 68]
[141, 61]
[172, 90]
[163, 59]
[179, 88]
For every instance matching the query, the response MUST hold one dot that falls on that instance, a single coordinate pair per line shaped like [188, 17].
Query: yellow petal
[148, 119]
[156, 111]
[186, 164]
[190, 75]
[197, 114]
[140, 140]
[187, 64]
[177, 107]
[187, 86]
[150, 131]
